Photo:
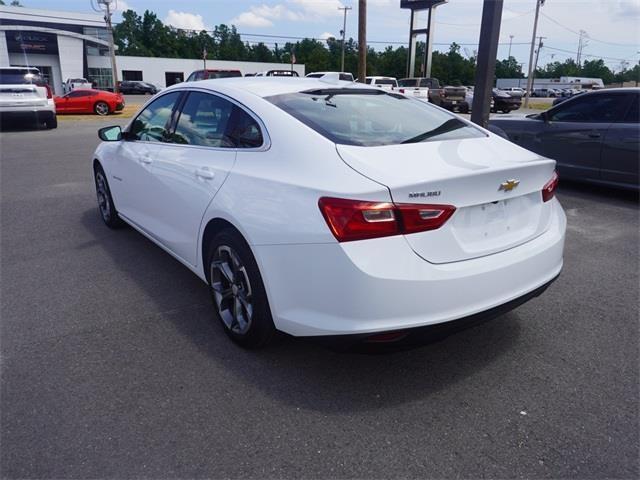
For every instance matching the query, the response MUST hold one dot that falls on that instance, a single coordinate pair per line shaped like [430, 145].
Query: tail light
[549, 189]
[442, 93]
[49, 92]
[401, 90]
[358, 220]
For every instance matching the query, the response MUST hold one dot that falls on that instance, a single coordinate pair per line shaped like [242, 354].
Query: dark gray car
[594, 137]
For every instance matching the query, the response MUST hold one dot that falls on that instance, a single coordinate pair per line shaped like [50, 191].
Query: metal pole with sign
[414, 31]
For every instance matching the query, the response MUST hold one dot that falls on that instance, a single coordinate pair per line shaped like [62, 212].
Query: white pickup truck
[73, 83]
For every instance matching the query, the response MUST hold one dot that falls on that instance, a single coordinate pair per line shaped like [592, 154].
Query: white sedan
[332, 209]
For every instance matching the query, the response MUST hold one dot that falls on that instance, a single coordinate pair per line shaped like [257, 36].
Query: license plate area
[497, 224]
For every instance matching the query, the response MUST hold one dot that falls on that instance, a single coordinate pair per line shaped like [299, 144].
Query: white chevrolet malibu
[333, 209]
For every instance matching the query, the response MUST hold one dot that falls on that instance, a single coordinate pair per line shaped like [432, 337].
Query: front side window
[152, 122]
[597, 108]
[203, 121]
[367, 117]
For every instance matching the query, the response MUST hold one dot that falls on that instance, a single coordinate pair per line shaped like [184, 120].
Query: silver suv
[24, 95]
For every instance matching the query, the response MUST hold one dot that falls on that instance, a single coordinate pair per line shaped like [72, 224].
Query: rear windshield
[367, 117]
[409, 82]
[381, 81]
[282, 73]
[9, 76]
[224, 74]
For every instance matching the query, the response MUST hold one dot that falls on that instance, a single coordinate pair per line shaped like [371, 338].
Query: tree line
[146, 35]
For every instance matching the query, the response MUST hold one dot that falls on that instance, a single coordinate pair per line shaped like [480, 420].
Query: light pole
[344, 33]
[105, 6]
[362, 40]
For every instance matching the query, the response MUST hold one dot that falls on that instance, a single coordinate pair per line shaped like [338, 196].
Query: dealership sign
[31, 42]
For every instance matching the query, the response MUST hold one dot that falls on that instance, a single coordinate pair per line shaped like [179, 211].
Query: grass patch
[539, 105]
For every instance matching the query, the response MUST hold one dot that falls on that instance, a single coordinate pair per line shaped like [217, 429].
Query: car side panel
[621, 154]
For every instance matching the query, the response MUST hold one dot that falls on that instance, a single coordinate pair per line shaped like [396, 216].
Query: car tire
[52, 122]
[106, 207]
[237, 291]
[101, 108]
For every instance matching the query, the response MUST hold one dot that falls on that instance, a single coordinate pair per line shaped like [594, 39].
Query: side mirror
[110, 134]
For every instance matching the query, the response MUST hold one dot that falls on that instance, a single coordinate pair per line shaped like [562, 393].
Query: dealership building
[65, 45]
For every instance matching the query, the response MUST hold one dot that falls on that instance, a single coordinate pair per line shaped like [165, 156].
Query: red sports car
[89, 101]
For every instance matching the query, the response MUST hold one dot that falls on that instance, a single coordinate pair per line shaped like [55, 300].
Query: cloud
[314, 9]
[122, 6]
[294, 11]
[187, 21]
[250, 19]
[327, 35]
[263, 16]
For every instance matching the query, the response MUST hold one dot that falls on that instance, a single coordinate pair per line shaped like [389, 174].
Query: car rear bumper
[381, 285]
[28, 114]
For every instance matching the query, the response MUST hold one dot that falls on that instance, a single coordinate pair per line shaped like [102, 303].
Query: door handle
[593, 135]
[145, 159]
[205, 173]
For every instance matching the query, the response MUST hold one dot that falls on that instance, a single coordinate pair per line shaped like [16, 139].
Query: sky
[612, 26]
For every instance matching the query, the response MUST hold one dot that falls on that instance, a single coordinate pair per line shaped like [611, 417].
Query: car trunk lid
[471, 175]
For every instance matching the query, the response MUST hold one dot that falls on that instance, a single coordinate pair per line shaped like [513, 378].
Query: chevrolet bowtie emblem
[509, 185]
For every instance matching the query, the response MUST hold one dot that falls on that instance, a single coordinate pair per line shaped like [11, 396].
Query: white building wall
[71, 53]
[4, 51]
[153, 69]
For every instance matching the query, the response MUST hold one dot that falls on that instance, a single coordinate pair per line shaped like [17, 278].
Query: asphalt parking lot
[112, 365]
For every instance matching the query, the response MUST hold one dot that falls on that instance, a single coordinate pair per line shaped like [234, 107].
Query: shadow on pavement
[297, 372]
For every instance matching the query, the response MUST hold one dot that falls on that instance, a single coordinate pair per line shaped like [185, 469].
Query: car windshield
[228, 74]
[367, 117]
[9, 76]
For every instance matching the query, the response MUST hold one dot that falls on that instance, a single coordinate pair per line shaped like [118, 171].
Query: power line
[590, 37]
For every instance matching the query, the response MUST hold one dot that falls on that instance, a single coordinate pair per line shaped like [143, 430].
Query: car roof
[268, 86]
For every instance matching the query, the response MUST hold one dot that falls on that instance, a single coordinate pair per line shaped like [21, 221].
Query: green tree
[509, 68]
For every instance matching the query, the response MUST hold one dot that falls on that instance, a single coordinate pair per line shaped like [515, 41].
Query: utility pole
[510, 42]
[362, 40]
[105, 6]
[539, 3]
[486, 61]
[582, 42]
[535, 64]
[344, 33]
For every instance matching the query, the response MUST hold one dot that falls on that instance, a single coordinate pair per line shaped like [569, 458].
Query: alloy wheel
[102, 108]
[231, 290]
[103, 197]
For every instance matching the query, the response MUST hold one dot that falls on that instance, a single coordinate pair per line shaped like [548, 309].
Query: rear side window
[203, 121]
[10, 76]
[151, 124]
[346, 77]
[633, 114]
[368, 117]
[244, 130]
